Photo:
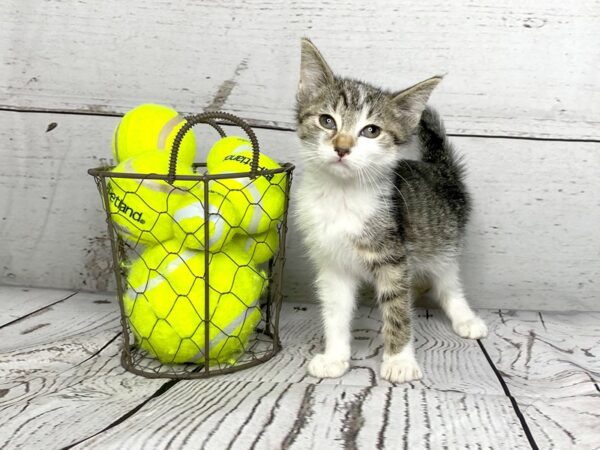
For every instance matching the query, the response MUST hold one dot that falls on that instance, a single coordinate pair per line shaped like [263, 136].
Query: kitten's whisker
[403, 179]
[409, 186]
[407, 165]
[406, 204]
[377, 187]
[380, 173]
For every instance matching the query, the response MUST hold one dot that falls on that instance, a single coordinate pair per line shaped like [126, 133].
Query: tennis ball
[226, 146]
[189, 218]
[151, 127]
[260, 201]
[138, 206]
[258, 248]
[166, 309]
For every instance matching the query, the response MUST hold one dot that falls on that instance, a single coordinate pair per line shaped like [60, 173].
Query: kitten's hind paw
[474, 328]
[323, 366]
[400, 370]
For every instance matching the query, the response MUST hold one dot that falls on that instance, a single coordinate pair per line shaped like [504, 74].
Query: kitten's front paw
[474, 328]
[323, 366]
[400, 370]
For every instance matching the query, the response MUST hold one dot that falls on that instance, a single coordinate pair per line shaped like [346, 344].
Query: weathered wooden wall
[522, 99]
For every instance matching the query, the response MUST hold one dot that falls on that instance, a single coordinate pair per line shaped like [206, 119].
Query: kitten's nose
[341, 151]
[342, 143]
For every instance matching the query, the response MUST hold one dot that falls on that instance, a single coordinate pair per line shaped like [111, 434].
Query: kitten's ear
[314, 71]
[412, 101]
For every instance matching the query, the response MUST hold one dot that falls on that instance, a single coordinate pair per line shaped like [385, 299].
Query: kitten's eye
[370, 131]
[327, 122]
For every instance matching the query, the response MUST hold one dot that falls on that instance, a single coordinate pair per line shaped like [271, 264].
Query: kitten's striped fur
[389, 209]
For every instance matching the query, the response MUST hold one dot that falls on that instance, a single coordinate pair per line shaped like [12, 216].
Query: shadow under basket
[190, 310]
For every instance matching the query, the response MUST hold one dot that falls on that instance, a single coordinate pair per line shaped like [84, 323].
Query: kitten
[369, 211]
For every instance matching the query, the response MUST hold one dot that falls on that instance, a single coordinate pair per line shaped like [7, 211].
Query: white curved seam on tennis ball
[166, 131]
[153, 185]
[189, 212]
[197, 210]
[248, 244]
[158, 279]
[116, 141]
[219, 223]
[242, 148]
[255, 195]
[229, 329]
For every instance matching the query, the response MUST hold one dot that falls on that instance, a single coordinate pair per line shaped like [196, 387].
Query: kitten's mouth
[340, 167]
[339, 161]
[339, 164]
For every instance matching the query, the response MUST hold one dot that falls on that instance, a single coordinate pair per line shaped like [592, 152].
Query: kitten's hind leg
[337, 292]
[447, 288]
[394, 295]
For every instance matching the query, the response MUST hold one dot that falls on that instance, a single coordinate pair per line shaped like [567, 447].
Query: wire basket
[191, 310]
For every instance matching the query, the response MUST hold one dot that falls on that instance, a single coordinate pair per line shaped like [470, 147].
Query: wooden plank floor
[533, 383]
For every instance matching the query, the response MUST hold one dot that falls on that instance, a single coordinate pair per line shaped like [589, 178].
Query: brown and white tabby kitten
[381, 200]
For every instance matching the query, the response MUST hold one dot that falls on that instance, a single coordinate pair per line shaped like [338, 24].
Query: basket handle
[207, 118]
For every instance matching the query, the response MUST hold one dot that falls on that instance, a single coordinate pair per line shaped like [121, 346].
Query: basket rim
[106, 172]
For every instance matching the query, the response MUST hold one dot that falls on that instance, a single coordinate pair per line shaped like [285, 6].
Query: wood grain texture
[459, 404]
[449, 363]
[525, 68]
[250, 415]
[566, 423]
[80, 313]
[551, 355]
[58, 411]
[52, 407]
[56, 338]
[550, 364]
[60, 368]
[19, 302]
[532, 242]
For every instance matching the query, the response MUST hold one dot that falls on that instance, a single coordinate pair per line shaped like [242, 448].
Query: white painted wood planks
[450, 364]
[20, 301]
[269, 405]
[60, 368]
[56, 337]
[529, 245]
[251, 415]
[460, 402]
[550, 364]
[525, 68]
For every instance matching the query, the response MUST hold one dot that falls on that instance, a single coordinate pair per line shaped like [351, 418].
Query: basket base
[262, 348]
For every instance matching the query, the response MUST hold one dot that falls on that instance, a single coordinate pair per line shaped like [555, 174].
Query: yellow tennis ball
[165, 304]
[189, 219]
[151, 127]
[226, 146]
[260, 201]
[258, 248]
[138, 206]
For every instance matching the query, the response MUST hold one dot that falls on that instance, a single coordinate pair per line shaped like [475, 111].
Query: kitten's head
[350, 128]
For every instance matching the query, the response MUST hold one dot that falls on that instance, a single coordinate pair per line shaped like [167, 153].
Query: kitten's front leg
[394, 294]
[337, 293]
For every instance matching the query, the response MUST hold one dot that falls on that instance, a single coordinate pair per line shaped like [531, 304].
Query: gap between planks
[38, 310]
[166, 386]
[533, 316]
[275, 126]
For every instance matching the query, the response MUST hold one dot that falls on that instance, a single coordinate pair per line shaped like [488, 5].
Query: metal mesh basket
[190, 310]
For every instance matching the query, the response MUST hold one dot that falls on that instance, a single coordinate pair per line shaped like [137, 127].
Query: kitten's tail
[436, 149]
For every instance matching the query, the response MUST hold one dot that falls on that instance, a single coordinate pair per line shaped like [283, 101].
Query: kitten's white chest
[342, 214]
[331, 216]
